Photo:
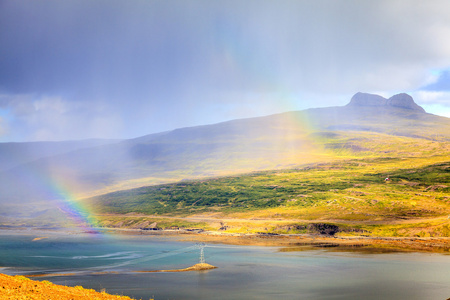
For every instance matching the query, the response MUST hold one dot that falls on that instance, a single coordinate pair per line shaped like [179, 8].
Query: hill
[352, 195]
[369, 127]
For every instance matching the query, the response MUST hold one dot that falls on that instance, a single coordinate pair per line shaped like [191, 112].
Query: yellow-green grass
[362, 197]
[141, 222]
[344, 184]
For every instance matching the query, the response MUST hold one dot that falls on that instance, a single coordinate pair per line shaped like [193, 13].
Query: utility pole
[202, 253]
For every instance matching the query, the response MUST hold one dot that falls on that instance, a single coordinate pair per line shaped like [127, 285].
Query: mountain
[402, 100]
[398, 115]
[368, 125]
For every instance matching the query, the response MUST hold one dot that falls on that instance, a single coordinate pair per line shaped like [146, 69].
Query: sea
[107, 262]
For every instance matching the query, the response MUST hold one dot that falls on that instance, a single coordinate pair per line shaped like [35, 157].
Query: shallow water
[243, 272]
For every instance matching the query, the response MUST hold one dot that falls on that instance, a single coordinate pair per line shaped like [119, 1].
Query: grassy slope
[279, 141]
[348, 189]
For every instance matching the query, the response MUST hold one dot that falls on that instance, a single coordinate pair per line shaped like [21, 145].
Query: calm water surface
[243, 272]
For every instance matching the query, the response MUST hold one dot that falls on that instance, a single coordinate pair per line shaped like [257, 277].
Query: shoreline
[313, 241]
[332, 243]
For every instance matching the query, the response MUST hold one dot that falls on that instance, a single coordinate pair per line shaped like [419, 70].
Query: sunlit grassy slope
[349, 190]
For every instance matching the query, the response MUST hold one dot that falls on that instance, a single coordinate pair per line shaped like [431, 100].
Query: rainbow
[57, 191]
[73, 208]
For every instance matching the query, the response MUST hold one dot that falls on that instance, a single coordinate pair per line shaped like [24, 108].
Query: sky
[78, 69]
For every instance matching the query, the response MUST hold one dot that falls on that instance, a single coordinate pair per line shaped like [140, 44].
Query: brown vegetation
[19, 287]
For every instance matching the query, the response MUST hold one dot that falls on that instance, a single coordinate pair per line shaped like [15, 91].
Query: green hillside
[308, 188]
[350, 191]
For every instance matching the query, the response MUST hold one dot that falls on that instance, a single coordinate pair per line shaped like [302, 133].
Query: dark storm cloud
[93, 46]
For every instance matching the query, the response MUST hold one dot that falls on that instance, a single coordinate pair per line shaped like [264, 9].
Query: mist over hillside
[15, 154]
[286, 140]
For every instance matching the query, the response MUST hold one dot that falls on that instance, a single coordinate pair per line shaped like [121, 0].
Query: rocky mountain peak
[365, 99]
[402, 100]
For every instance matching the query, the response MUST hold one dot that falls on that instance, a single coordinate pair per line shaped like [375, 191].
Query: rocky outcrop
[323, 228]
[402, 100]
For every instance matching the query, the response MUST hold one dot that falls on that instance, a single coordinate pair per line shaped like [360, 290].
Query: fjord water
[244, 272]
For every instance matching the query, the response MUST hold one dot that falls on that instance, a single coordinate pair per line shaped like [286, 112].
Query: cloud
[106, 48]
[440, 82]
[54, 118]
[433, 97]
[435, 102]
[3, 128]
[131, 68]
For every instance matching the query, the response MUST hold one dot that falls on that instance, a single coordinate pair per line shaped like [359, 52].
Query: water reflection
[244, 272]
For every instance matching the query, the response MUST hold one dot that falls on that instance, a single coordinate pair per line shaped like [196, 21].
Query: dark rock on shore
[323, 228]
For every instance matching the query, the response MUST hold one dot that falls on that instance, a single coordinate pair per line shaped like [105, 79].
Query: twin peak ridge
[402, 100]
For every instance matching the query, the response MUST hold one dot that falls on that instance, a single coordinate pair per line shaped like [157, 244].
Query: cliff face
[402, 100]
